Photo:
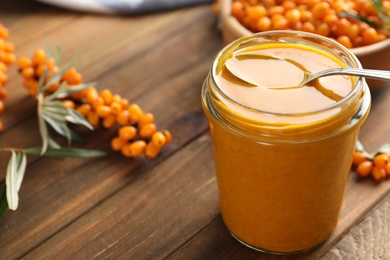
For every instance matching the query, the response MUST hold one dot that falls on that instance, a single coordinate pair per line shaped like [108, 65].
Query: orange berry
[381, 160]
[39, 57]
[116, 108]
[84, 109]
[127, 132]
[9, 46]
[97, 102]
[370, 36]
[123, 117]
[7, 57]
[387, 169]
[117, 144]
[3, 93]
[103, 111]
[68, 103]
[107, 96]
[344, 40]
[72, 77]
[93, 119]
[3, 77]
[1, 106]
[358, 157]
[28, 72]
[24, 62]
[147, 130]
[168, 136]
[158, 139]
[146, 118]
[135, 112]
[3, 67]
[364, 168]
[1, 126]
[109, 121]
[378, 173]
[91, 94]
[134, 149]
[3, 32]
[124, 102]
[152, 150]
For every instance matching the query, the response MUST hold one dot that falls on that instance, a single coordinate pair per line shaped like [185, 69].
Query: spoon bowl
[307, 75]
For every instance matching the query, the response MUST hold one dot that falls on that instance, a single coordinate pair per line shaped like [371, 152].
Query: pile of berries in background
[353, 23]
[7, 57]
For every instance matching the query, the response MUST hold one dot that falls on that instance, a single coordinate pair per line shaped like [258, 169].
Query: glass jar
[282, 175]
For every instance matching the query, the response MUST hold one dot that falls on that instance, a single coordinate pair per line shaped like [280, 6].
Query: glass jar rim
[298, 37]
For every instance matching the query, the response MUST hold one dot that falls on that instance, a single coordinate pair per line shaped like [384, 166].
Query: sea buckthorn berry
[344, 40]
[40, 69]
[158, 139]
[3, 77]
[84, 109]
[116, 98]
[3, 93]
[381, 160]
[387, 169]
[7, 57]
[123, 117]
[93, 119]
[370, 36]
[103, 111]
[28, 72]
[9, 46]
[364, 168]
[134, 149]
[53, 87]
[91, 94]
[1, 106]
[152, 150]
[1, 126]
[3, 67]
[68, 103]
[124, 102]
[116, 108]
[24, 62]
[127, 132]
[135, 112]
[97, 102]
[168, 136]
[3, 32]
[358, 157]
[71, 76]
[39, 57]
[107, 96]
[378, 173]
[109, 121]
[146, 118]
[147, 130]
[117, 144]
[264, 24]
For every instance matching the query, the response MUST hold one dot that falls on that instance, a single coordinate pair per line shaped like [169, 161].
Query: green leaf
[14, 177]
[359, 18]
[3, 203]
[75, 118]
[65, 152]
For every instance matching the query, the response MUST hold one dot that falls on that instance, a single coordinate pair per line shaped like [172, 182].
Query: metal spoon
[367, 73]
[310, 76]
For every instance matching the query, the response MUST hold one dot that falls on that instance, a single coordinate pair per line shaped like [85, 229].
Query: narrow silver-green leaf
[78, 119]
[10, 182]
[66, 152]
[21, 170]
[58, 92]
[43, 131]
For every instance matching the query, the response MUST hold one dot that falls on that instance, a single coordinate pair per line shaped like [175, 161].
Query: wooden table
[118, 207]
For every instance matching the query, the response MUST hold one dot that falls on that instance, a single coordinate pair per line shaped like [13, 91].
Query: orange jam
[282, 151]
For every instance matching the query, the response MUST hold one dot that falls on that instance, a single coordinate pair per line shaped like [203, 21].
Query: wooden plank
[150, 216]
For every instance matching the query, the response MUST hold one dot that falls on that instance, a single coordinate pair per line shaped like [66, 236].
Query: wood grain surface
[167, 207]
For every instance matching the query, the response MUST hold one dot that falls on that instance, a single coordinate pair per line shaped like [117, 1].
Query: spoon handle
[374, 74]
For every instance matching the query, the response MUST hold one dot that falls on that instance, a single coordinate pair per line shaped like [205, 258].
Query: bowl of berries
[363, 26]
